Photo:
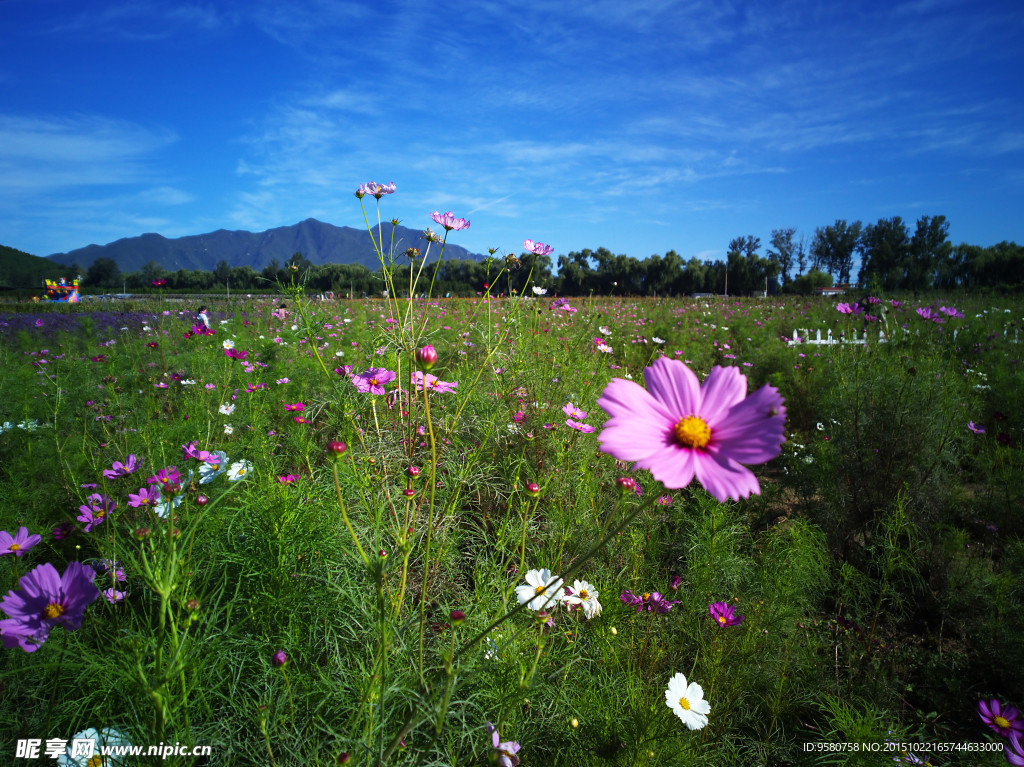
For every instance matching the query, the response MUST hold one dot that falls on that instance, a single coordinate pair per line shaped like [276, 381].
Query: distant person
[203, 317]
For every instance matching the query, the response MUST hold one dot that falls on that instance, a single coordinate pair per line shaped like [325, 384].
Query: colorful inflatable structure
[61, 291]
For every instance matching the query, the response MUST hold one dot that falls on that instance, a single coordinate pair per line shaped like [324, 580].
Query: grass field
[248, 584]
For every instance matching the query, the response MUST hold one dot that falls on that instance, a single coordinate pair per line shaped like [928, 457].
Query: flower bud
[413, 471]
[533, 490]
[426, 357]
[457, 617]
[142, 533]
[409, 492]
[626, 484]
[279, 659]
[336, 450]
[192, 605]
[202, 500]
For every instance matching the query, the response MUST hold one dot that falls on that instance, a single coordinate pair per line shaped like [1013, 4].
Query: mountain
[320, 243]
[23, 270]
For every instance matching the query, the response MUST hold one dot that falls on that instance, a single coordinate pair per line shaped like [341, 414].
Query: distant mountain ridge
[319, 242]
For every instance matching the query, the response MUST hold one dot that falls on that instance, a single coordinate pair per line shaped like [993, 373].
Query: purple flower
[147, 496]
[976, 428]
[853, 308]
[119, 469]
[724, 614]
[63, 530]
[1015, 750]
[45, 600]
[95, 512]
[1002, 720]
[649, 601]
[166, 476]
[113, 595]
[449, 222]
[19, 543]
[586, 428]
[678, 429]
[573, 412]
[372, 380]
[505, 751]
[190, 450]
[279, 659]
[538, 247]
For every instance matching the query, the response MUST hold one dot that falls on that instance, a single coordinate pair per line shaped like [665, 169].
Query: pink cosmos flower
[296, 406]
[573, 412]
[538, 247]
[18, 543]
[432, 383]
[373, 379]
[377, 190]
[147, 496]
[449, 222]
[678, 429]
[586, 428]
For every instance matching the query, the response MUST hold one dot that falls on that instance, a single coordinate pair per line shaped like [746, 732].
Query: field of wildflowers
[520, 530]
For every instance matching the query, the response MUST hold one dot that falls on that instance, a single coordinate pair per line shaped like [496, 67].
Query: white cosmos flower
[229, 429]
[658, 340]
[541, 590]
[227, 409]
[585, 595]
[539, 291]
[687, 702]
[239, 470]
[228, 343]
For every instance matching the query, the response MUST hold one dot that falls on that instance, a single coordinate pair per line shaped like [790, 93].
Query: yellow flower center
[647, 596]
[584, 594]
[539, 589]
[14, 547]
[684, 704]
[692, 431]
[1002, 721]
[94, 761]
[53, 610]
[721, 619]
[374, 382]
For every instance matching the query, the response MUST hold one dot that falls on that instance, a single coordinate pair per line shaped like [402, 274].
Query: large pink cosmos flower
[678, 429]
[372, 380]
[449, 222]
[538, 247]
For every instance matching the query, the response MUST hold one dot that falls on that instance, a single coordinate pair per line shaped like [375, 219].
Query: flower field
[528, 530]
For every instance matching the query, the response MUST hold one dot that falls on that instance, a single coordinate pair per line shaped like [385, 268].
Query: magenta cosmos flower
[678, 429]
[45, 600]
[449, 222]
[724, 614]
[18, 543]
[131, 463]
[538, 247]
[373, 379]
[1002, 720]
[96, 511]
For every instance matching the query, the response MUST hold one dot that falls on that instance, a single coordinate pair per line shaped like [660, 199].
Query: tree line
[890, 258]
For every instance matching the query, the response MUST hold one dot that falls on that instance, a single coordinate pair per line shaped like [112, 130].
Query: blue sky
[639, 126]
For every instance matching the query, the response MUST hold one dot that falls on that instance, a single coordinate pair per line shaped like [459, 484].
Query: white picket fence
[803, 336]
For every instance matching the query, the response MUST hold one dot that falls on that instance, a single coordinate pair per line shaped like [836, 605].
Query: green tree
[783, 251]
[930, 251]
[885, 249]
[833, 247]
[104, 273]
